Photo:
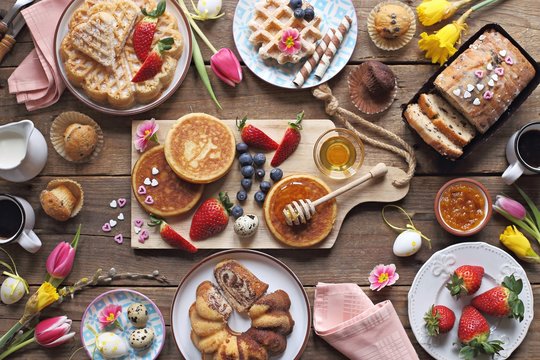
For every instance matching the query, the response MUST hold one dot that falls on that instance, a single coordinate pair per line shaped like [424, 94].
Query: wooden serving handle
[6, 45]
[3, 29]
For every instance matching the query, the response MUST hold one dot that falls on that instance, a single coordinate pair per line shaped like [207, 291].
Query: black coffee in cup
[11, 218]
[529, 148]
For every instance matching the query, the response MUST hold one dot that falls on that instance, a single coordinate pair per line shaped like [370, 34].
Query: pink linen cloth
[36, 81]
[346, 318]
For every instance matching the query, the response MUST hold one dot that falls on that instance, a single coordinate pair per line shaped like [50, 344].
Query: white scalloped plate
[428, 288]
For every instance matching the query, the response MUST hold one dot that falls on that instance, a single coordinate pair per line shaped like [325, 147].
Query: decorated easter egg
[246, 225]
[137, 314]
[141, 339]
[111, 346]
[12, 290]
[407, 243]
[209, 8]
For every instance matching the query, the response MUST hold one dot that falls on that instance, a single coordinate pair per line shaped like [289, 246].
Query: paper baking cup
[390, 44]
[74, 187]
[59, 126]
[361, 97]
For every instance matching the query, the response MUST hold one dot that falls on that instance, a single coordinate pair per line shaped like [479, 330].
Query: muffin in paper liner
[386, 43]
[62, 199]
[58, 129]
[372, 87]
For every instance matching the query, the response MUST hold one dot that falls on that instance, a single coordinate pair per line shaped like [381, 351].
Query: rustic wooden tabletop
[364, 239]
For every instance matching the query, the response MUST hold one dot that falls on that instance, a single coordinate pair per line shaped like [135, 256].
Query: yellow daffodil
[513, 239]
[433, 11]
[43, 297]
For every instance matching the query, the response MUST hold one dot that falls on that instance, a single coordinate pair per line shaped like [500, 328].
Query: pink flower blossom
[53, 332]
[146, 132]
[109, 315]
[383, 275]
[511, 206]
[290, 41]
[226, 67]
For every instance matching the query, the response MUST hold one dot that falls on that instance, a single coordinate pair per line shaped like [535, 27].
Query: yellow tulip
[433, 11]
[513, 239]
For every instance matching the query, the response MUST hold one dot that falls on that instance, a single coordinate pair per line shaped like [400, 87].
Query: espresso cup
[523, 153]
[17, 220]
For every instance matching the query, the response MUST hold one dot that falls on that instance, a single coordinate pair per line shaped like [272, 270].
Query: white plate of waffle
[274, 18]
[240, 329]
[102, 79]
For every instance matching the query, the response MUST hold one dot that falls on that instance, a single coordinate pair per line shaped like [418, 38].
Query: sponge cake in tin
[170, 196]
[200, 148]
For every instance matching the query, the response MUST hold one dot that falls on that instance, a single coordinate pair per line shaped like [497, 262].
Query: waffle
[271, 18]
[112, 84]
[93, 38]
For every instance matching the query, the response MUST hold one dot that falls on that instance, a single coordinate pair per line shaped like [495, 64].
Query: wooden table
[364, 240]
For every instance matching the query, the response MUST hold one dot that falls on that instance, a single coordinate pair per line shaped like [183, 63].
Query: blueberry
[259, 174]
[265, 186]
[259, 197]
[241, 195]
[237, 211]
[299, 13]
[247, 171]
[245, 159]
[259, 159]
[309, 14]
[241, 148]
[276, 174]
[295, 4]
[246, 184]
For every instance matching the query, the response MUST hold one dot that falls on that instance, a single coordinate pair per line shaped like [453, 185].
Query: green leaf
[201, 69]
[531, 204]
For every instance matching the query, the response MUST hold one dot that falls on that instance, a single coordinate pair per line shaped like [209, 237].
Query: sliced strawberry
[290, 141]
[439, 319]
[210, 218]
[143, 33]
[171, 236]
[152, 65]
[255, 137]
[503, 300]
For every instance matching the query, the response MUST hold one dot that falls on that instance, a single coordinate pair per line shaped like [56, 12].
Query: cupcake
[372, 87]
[391, 25]
[63, 199]
[76, 137]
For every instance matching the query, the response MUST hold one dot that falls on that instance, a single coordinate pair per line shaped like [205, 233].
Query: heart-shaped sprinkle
[122, 202]
[149, 200]
[495, 77]
[479, 73]
[480, 87]
[466, 95]
[490, 66]
[488, 95]
[113, 204]
[147, 181]
[137, 229]
[155, 171]
[113, 222]
[470, 87]
[106, 227]
[119, 238]
[143, 236]
[138, 222]
[476, 101]
[474, 47]
[499, 71]
[154, 183]
[502, 53]
[509, 60]
[491, 83]
[456, 91]
[482, 37]
[141, 190]
[120, 216]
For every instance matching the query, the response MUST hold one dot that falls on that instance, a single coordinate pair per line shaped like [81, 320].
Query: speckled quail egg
[12, 290]
[407, 243]
[141, 339]
[137, 314]
[246, 225]
[111, 346]
[209, 8]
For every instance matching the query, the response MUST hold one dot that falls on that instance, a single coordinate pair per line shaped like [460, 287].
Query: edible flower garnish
[207, 10]
[290, 41]
[109, 316]
[383, 275]
[146, 132]
[431, 12]
[513, 239]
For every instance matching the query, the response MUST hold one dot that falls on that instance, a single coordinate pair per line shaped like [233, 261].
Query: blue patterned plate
[332, 11]
[124, 298]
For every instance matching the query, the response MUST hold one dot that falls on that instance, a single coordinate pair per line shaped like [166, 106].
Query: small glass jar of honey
[338, 153]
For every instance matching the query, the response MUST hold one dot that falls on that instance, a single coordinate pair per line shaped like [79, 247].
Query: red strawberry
[143, 33]
[473, 332]
[210, 218]
[439, 320]
[152, 65]
[255, 137]
[466, 280]
[290, 141]
[502, 301]
[171, 236]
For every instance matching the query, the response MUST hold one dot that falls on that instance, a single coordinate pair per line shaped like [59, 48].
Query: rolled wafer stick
[310, 64]
[333, 47]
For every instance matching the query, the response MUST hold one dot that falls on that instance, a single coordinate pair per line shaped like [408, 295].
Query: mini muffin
[80, 141]
[63, 199]
[391, 25]
[372, 87]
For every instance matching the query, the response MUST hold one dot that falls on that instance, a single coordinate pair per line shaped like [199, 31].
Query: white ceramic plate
[267, 268]
[182, 66]
[332, 13]
[428, 288]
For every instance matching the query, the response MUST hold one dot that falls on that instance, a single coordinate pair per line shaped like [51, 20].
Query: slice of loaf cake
[447, 119]
[430, 133]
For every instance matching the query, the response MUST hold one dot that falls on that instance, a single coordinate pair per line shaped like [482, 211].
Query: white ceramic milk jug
[23, 151]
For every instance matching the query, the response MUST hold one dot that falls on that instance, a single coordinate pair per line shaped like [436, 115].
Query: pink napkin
[347, 319]
[36, 81]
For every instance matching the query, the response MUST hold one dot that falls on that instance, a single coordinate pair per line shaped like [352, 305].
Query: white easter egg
[210, 7]
[12, 290]
[111, 346]
[407, 243]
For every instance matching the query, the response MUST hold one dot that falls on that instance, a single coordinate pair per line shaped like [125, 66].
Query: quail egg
[246, 226]
[141, 339]
[111, 346]
[137, 314]
[12, 290]
[407, 243]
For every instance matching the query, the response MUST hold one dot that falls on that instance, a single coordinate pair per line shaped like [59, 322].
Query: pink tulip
[53, 332]
[511, 206]
[226, 66]
[60, 261]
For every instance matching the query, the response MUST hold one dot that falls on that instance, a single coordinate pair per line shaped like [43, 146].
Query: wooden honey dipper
[300, 212]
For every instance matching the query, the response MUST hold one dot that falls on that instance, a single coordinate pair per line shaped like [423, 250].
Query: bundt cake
[271, 312]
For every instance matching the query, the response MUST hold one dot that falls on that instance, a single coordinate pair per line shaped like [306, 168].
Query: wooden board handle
[3, 29]
[6, 45]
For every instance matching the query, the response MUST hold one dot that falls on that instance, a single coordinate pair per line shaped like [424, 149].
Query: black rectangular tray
[479, 139]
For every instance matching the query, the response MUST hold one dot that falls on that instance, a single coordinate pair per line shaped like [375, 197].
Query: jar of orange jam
[463, 207]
